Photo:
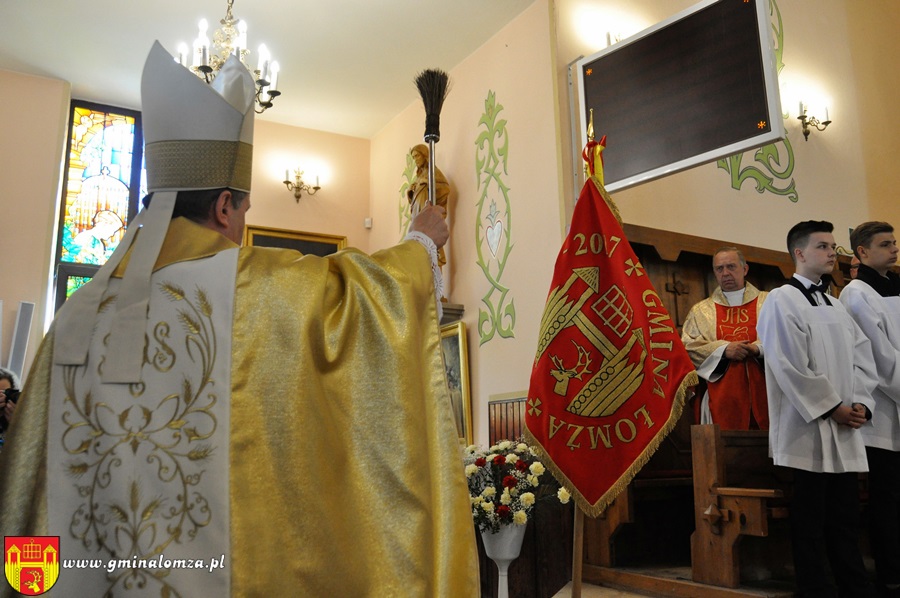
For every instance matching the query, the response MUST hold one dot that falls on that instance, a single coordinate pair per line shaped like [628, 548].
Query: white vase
[503, 548]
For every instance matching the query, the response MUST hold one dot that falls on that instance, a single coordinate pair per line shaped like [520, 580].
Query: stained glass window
[73, 283]
[104, 181]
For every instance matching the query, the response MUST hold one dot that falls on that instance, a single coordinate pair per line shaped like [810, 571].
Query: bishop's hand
[430, 221]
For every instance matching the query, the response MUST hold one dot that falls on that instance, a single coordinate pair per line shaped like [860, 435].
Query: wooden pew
[506, 418]
[650, 522]
[600, 533]
[659, 508]
[727, 508]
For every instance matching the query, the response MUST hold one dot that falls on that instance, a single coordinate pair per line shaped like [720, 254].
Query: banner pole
[577, 552]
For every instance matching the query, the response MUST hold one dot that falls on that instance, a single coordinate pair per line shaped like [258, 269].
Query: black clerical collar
[809, 292]
[888, 286]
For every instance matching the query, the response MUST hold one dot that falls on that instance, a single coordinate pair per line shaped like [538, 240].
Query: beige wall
[31, 148]
[875, 56]
[342, 164]
[829, 171]
[516, 65]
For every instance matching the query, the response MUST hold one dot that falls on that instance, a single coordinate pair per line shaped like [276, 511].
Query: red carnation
[510, 481]
[504, 512]
[521, 465]
[480, 461]
[499, 460]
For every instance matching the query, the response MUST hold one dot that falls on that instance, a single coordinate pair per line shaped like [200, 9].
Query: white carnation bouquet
[503, 482]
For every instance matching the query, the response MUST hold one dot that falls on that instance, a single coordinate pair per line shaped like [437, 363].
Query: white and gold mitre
[197, 136]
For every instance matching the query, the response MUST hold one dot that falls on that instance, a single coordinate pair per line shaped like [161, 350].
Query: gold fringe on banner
[597, 508]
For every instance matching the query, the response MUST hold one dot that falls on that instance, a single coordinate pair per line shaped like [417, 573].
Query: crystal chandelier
[231, 39]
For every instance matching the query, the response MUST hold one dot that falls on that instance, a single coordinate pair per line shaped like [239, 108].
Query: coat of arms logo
[31, 563]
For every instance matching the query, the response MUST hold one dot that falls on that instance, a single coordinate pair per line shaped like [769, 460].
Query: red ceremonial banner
[610, 373]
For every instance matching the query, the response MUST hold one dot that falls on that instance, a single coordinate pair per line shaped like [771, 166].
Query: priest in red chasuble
[720, 336]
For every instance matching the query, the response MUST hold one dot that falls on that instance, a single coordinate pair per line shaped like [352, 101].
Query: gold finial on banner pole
[593, 162]
[590, 129]
[590, 136]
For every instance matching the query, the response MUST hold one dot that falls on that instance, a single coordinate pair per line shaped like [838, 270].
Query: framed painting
[306, 243]
[456, 364]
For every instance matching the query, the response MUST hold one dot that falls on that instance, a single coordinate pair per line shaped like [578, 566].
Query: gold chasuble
[307, 448]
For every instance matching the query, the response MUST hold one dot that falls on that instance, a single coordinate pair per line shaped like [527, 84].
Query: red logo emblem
[31, 563]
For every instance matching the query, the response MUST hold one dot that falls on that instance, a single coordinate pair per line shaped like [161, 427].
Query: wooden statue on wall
[417, 194]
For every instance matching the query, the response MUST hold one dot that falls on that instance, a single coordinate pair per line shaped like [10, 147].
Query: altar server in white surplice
[819, 379]
[873, 299]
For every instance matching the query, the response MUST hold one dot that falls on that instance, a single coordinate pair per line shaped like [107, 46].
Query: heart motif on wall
[493, 236]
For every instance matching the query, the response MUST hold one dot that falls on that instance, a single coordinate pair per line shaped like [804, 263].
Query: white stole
[139, 473]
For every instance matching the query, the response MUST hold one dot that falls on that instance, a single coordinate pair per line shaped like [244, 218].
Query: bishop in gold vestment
[288, 433]
[343, 455]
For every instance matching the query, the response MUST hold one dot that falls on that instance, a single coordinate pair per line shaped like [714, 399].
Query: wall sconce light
[297, 185]
[812, 121]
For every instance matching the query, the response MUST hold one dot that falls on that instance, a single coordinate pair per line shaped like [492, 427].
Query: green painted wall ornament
[774, 163]
[493, 223]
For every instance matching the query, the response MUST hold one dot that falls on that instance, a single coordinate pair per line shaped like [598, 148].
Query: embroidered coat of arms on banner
[610, 373]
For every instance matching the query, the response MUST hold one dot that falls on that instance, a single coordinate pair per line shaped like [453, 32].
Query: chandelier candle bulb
[198, 52]
[202, 45]
[273, 82]
[263, 63]
[241, 42]
[183, 54]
